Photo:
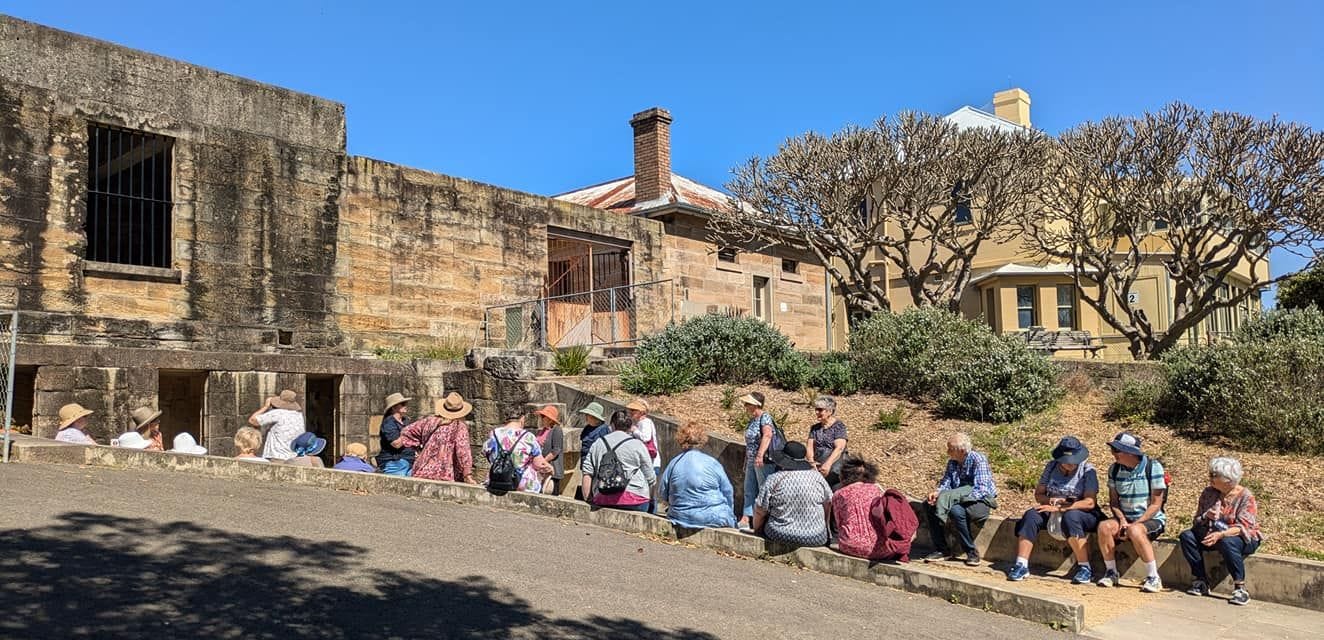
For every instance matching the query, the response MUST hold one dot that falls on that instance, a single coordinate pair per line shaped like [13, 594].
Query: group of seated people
[808, 493]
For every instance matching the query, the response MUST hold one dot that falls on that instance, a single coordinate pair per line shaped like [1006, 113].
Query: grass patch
[571, 361]
[1299, 552]
[449, 347]
[728, 397]
[1019, 450]
[890, 420]
[1256, 487]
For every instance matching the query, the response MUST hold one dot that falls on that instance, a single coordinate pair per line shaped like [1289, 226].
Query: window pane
[1066, 295]
[1024, 296]
[1025, 318]
[1065, 319]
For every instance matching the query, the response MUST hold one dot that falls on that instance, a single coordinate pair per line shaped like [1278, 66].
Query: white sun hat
[184, 443]
[131, 440]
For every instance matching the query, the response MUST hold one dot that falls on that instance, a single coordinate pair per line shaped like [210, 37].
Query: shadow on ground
[93, 575]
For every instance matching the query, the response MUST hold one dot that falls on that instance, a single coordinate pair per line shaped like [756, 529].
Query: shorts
[1153, 529]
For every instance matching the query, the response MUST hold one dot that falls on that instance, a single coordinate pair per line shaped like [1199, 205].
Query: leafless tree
[1203, 195]
[915, 192]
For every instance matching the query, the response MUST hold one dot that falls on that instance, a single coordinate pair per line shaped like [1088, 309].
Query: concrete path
[105, 553]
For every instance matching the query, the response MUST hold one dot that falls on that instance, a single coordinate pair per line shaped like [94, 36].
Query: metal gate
[8, 349]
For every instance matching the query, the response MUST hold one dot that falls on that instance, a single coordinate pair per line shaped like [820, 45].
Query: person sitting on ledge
[131, 440]
[1067, 492]
[355, 459]
[1137, 491]
[617, 470]
[966, 494]
[73, 424]
[307, 447]
[184, 443]
[794, 503]
[247, 441]
[1226, 519]
[694, 486]
[147, 422]
[392, 458]
[856, 534]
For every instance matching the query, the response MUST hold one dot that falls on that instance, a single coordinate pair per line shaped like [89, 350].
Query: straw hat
[551, 413]
[184, 443]
[286, 400]
[453, 407]
[394, 399]
[143, 416]
[70, 413]
[638, 405]
[357, 450]
[131, 440]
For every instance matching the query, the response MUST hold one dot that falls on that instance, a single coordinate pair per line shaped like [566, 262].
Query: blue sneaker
[1083, 575]
[1017, 572]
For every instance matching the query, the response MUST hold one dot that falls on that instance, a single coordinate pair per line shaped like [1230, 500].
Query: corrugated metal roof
[618, 195]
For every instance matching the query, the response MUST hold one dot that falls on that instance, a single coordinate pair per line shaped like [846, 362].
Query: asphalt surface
[105, 553]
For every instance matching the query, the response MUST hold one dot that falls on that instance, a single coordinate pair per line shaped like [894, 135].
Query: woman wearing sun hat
[131, 440]
[1067, 489]
[307, 447]
[147, 422]
[184, 443]
[355, 459]
[442, 442]
[392, 459]
[282, 418]
[73, 421]
[552, 441]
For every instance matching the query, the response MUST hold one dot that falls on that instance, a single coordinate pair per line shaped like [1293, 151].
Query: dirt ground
[912, 456]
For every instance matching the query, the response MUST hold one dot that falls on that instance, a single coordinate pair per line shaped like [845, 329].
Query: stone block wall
[109, 392]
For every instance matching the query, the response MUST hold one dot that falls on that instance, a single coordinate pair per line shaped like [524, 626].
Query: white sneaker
[1109, 579]
[1152, 584]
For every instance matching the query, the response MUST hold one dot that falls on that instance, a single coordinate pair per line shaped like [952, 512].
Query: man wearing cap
[392, 458]
[1137, 490]
[595, 426]
[1066, 494]
[355, 459]
[965, 494]
[73, 421]
[282, 418]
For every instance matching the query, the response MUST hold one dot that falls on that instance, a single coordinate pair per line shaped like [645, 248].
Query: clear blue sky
[537, 95]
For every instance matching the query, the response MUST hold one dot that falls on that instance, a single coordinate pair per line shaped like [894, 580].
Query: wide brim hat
[286, 400]
[750, 400]
[394, 399]
[308, 444]
[593, 410]
[638, 405]
[184, 443]
[551, 413]
[1127, 442]
[131, 440]
[792, 457]
[453, 407]
[356, 449]
[1070, 450]
[143, 416]
[70, 413]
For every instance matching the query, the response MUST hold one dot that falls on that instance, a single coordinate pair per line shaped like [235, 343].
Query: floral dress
[525, 449]
[445, 453]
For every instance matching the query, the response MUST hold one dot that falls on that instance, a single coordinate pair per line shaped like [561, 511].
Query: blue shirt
[754, 435]
[350, 463]
[697, 492]
[391, 429]
[588, 436]
[974, 471]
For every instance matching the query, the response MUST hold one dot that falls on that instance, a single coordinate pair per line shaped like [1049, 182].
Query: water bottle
[1219, 525]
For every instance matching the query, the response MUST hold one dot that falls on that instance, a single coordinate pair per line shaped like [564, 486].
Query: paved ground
[93, 552]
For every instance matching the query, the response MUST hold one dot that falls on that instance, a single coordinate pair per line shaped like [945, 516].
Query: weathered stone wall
[110, 392]
[421, 254]
[256, 186]
[707, 285]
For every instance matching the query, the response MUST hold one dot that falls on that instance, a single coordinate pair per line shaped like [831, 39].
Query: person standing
[441, 441]
[551, 439]
[282, 418]
[759, 440]
[631, 460]
[393, 459]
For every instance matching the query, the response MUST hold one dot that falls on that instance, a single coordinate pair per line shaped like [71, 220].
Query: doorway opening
[25, 391]
[180, 397]
[323, 395]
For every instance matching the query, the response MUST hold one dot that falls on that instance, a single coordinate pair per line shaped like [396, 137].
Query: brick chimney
[652, 154]
[1012, 105]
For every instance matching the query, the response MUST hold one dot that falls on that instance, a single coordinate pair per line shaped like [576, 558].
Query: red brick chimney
[652, 154]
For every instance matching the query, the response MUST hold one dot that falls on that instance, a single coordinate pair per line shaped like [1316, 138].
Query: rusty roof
[618, 195]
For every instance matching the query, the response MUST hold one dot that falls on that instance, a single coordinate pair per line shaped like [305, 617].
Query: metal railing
[8, 351]
[615, 316]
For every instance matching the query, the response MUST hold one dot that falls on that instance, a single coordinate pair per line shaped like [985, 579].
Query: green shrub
[1266, 395]
[1306, 324]
[723, 349]
[652, 376]
[1136, 400]
[452, 346]
[790, 372]
[960, 365]
[1303, 290]
[572, 361]
[890, 420]
[728, 397]
[835, 375]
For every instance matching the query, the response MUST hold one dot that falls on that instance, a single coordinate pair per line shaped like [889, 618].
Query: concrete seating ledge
[914, 578]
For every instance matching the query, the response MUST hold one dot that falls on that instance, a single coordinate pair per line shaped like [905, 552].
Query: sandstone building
[180, 237]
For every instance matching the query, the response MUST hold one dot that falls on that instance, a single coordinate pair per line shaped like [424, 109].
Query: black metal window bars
[129, 196]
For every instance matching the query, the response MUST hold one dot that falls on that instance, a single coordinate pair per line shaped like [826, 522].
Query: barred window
[129, 196]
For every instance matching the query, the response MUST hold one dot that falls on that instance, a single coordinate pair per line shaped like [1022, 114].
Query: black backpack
[610, 475]
[504, 475]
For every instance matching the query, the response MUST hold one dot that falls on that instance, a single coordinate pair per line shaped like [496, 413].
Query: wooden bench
[1038, 339]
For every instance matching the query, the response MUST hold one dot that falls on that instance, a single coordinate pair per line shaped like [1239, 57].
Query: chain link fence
[612, 317]
[8, 351]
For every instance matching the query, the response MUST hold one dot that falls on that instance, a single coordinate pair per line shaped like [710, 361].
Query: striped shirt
[1133, 491]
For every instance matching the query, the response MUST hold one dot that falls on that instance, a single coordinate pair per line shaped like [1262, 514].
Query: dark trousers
[960, 516]
[1234, 550]
[1075, 523]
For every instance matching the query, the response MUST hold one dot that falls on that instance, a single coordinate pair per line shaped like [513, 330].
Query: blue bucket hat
[308, 444]
[1127, 442]
[1069, 450]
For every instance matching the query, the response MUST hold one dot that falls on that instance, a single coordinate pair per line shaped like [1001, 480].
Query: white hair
[1227, 468]
[826, 402]
[961, 441]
